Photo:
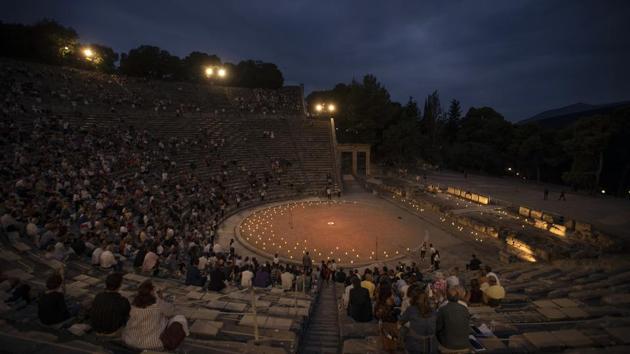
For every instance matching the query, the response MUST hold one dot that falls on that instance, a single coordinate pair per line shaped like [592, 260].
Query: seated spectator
[340, 276]
[262, 279]
[369, 284]
[96, 256]
[452, 324]
[387, 314]
[246, 277]
[421, 335]
[359, 304]
[52, 308]
[150, 316]
[287, 279]
[107, 259]
[474, 295]
[78, 246]
[19, 291]
[494, 293]
[217, 278]
[474, 263]
[193, 274]
[110, 310]
[151, 260]
[139, 259]
[276, 274]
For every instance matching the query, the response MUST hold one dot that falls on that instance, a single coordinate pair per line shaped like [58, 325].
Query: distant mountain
[563, 116]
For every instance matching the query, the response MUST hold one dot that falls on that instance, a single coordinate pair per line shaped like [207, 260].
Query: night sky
[519, 57]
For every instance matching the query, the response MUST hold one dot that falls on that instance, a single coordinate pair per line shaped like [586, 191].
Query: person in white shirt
[246, 277]
[217, 248]
[96, 256]
[107, 259]
[203, 262]
[287, 280]
[276, 259]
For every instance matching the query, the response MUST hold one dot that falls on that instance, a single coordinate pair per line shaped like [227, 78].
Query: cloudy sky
[520, 57]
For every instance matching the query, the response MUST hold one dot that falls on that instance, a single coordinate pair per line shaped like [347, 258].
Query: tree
[587, 147]
[482, 141]
[402, 140]
[43, 42]
[252, 73]
[151, 62]
[453, 121]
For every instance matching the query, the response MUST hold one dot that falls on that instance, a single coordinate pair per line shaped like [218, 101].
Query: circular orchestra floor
[350, 232]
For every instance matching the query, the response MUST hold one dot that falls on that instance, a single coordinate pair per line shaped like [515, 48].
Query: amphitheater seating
[218, 321]
[196, 114]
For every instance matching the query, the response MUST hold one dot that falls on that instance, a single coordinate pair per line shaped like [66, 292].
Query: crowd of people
[422, 311]
[266, 101]
[41, 87]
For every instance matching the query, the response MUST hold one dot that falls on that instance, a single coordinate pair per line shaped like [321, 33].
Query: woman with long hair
[149, 319]
[387, 314]
[421, 318]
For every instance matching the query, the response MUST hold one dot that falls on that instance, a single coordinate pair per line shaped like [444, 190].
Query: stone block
[369, 345]
[8, 256]
[583, 227]
[21, 246]
[523, 211]
[92, 281]
[565, 302]
[135, 277]
[263, 303]
[616, 299]
[536, 214]
[197, 313]
[542, 340]
[574, 312]
[195, 295]
[76, 292]
[552, 313]
[572, 338]
[548, 218]
[18, 273]
[545, 303]
[291, 302]
[206, 328]
[288, 311]
[235, 306]
[492, 343]
[620, 334]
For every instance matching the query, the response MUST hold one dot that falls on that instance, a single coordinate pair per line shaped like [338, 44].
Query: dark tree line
[49, 42]
[590, 154]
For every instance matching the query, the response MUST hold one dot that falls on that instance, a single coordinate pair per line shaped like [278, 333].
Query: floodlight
[209, 71]
[88, 53]
[319, 107]
[221, 72]
[331, 108]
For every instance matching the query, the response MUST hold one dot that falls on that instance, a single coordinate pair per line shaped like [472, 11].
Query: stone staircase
[322, 335]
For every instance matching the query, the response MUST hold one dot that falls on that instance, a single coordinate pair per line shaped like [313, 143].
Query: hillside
[563, 116]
